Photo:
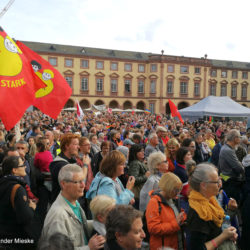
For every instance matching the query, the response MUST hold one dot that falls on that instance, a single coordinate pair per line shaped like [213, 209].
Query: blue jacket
[105, 185]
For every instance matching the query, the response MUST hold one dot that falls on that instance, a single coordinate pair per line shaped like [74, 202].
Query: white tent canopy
[216, 106]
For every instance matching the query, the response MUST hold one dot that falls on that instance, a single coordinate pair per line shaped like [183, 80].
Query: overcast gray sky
[218, 28]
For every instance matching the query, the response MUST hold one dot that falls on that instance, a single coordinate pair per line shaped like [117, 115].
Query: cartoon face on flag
[51, 98]
[11, 53]
[17, 86]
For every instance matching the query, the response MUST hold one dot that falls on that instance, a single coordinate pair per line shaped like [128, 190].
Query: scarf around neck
[207, 210]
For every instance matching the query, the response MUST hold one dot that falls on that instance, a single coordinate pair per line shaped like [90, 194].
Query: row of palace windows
[170, 87]
[234, 74]
[223, 90]
[68, 62]
[153, 68]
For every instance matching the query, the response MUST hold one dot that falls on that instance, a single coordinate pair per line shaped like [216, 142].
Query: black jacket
[14, 222]
[55, 166]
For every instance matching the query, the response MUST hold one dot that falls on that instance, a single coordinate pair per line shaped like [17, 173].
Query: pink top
[42, 161]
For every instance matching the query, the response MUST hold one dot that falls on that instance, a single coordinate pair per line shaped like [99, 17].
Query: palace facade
[127, 79]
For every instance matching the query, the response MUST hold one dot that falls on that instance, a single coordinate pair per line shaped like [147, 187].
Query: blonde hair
[33, 150]
[101, 204]
[169, 182]
[172, 142]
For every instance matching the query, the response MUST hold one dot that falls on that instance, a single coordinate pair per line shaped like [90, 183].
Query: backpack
[144, 222]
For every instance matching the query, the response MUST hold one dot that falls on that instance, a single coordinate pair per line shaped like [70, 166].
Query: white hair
[66, 172]
[155, 159]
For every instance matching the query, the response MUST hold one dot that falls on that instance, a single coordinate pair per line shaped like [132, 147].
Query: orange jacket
[161, 226]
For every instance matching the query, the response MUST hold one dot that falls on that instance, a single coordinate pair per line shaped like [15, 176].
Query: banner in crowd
[17, 85]
[79, 111]
[52, 98]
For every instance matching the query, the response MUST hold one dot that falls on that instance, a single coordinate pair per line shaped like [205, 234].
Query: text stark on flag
[17, 85]
[52, 98]
[174, 111]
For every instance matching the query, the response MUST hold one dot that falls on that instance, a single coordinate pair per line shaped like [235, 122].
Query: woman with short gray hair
[158, 165]
[205, 215]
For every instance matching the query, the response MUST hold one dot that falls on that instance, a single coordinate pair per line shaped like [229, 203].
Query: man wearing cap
[161, 132]
[128, 143]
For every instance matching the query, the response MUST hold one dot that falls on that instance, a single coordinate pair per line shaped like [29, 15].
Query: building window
[141, 68]
[213, 72]
[127, 85]
[213, 89]
[234, 91]
[152, 108]
[53, 61]
[153, 67]
[184, 69]
[223, 73]
[99, 64]
[184, 88]
[170, 87]
[244, 91]
[141, 86]
[84, 64]
[223, 90]
[68, 62]
[113, 85]
[84, 84]
[196, 88]
[69, 80]
[244, 75]
[99, 84]
[197, 70]
[170, 68]
[234, 74]
[114, 66]
[152, 86]
[128, 67]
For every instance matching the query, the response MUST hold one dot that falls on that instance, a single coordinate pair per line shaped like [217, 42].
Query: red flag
[17, 89]
[51, 99]
[174, 111]
[133, 112]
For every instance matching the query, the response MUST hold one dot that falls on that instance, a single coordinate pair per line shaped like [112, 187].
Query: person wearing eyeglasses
[158, 165]
[16, 209]
[66, 215]
[205, 215]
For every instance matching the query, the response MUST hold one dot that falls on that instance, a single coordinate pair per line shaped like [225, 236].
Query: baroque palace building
[129, 80]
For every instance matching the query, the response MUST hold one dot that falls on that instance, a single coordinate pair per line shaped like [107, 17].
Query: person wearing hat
[161, 133]
[128, 143]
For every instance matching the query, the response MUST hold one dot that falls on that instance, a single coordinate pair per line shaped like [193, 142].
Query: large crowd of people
[124, 181]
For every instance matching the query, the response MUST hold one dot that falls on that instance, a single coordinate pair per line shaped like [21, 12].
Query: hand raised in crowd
[132, 201]
[86, 159]
[32, 204]
[180, 218]
[232, 204]
[130, 183]
[96, 242]
[147, 174]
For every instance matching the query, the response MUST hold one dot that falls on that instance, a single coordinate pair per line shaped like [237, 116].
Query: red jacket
[161, 226]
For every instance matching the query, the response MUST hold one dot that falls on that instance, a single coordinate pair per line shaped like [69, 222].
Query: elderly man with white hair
[153, 144]
[66, 215]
